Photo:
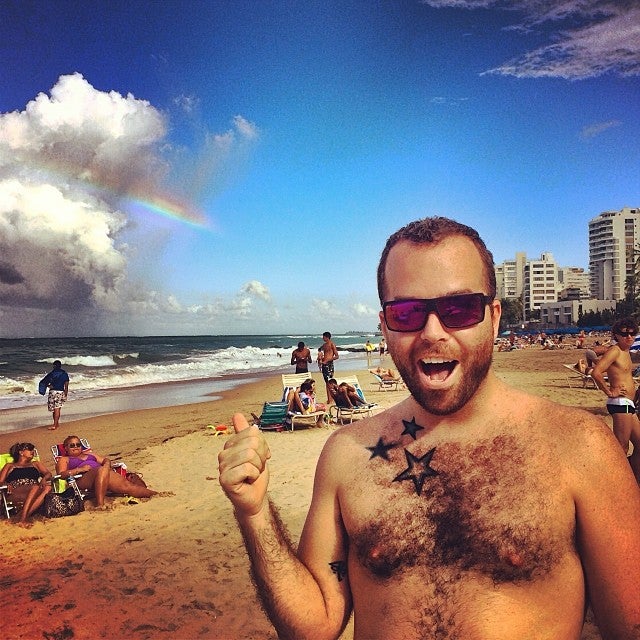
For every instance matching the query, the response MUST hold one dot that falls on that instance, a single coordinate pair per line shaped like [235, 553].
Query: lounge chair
[293, 381]
[386, 384]
[273, 416]
[6, 504]
[340, 414]
[577, 376]
[5, 500]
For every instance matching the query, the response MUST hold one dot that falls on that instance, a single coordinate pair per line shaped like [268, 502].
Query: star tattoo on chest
[411, 427]
[418, 468]
[381, 449]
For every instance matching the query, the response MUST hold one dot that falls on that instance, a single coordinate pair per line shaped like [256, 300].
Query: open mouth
[438, 370]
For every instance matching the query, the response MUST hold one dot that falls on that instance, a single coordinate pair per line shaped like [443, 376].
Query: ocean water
[110, 374]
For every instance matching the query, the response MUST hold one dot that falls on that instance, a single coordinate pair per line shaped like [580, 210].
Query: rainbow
[167, 206]
[136, 199]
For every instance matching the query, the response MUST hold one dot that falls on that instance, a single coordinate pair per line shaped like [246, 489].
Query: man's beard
[448, 401]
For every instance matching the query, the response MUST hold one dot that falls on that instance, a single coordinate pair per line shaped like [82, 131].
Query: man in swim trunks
[301, 357]
[620, 388]
[327, 353]
[58, 382]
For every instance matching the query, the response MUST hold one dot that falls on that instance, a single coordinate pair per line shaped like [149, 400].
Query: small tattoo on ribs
[339, 567]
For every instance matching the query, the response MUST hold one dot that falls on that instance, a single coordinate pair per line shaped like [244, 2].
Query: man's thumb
[239, 422]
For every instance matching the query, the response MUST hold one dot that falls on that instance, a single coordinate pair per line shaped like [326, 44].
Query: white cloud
[326, 309]
[68, 161]
[360, 309]
[245, 128]
[188, 104]
[241, 306]
[57, 249]
[449, 102]
[607, 39]
[596, 129]
[256, 289]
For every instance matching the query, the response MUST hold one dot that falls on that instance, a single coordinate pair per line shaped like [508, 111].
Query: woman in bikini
[97, 474]
[28, 480]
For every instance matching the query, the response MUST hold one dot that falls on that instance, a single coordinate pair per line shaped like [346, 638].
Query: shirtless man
[327, 353]
[301, 357]
[470, 510]
[616, 364]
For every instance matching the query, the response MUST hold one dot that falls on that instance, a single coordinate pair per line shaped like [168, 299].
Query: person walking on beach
[57, 380]
[369, 348]
[620, 389]
[301, 357]
[382, 346]
[464, 511]
[327, 354]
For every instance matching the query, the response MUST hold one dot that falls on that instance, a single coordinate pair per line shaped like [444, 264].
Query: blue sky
[286, 140]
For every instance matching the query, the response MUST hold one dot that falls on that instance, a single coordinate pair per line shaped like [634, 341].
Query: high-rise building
[510, 277]
[572, 278]
[540, 282]
[614, 244]
[537, 282]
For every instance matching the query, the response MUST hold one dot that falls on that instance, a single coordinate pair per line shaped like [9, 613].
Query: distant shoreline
[149, 396]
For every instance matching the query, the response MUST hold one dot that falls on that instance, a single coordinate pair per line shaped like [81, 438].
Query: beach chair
[5, 499]
[385, 385]
[273, 416]
[309, 419]
[293, 381]
[573, 375]
[340, 414]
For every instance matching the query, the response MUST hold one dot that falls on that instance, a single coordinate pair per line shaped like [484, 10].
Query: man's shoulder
[538, 412]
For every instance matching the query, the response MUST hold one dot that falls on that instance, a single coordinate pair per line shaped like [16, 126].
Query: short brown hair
[624, 323]
[432, 231]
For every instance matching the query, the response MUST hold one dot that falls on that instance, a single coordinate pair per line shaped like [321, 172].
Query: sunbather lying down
[345, 396]
[97, 474]
[386, 374]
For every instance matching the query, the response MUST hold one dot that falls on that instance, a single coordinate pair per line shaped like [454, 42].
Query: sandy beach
[174, 566]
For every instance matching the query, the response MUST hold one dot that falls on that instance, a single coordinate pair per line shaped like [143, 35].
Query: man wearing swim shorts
[58, 382]
[619, 386]
[327, 353]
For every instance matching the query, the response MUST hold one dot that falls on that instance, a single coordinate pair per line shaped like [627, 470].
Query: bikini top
[23, 473]
[79, 462]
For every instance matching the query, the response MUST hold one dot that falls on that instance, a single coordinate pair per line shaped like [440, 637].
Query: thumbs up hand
[244, 475]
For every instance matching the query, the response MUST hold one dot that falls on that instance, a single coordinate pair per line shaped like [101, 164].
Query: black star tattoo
[339, 568]
[418, 477]
[411, 428]
[381, 449]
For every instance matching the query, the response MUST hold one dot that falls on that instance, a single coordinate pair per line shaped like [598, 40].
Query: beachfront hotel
[561, 294]
[614, 246]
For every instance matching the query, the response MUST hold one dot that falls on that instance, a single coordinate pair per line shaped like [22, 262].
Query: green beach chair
[273, 416]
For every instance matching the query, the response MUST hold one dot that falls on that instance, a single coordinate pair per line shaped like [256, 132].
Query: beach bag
[136, 478]
[58, 505]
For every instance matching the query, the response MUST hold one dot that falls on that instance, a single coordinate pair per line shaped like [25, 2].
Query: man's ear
[383, 326]
[495, 307]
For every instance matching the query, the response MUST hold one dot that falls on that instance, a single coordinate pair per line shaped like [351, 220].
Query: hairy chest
[495, 508]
